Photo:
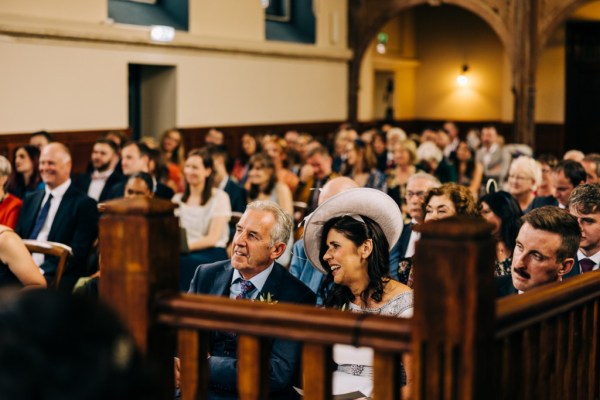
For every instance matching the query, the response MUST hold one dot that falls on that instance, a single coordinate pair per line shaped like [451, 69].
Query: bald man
[300, 267]
[59, 213]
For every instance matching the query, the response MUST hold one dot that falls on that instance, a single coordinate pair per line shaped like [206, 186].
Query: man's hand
[306, 172]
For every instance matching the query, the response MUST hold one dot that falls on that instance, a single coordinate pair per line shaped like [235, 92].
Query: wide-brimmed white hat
[371, 203]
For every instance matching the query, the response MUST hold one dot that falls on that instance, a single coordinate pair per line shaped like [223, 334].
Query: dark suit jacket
[404, 239]
[237, 196]
[504, 286]
[162, 191]
[285, 355]
[541, 202]
[83, 184]
[75, 224]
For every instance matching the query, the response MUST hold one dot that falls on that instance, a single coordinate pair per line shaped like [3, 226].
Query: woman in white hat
[348, 238]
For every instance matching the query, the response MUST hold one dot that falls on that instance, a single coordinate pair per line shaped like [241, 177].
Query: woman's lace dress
[355, 364]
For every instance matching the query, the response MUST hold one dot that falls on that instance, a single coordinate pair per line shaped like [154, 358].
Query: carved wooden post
[139, 258]
[453, 320]
[524, 70]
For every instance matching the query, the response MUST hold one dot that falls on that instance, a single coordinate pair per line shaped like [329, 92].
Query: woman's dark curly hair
[505, 206]
[377, 262]
[460, 196]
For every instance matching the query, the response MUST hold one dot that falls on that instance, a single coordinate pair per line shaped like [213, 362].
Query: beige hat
[371, 203]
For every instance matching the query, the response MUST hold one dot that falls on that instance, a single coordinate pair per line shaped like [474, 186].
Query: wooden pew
[464, 345]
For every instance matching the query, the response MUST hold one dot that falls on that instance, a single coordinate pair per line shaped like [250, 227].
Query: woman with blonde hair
[405, 158]
[524, 175]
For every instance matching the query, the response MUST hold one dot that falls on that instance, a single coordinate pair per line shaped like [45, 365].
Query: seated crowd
[359, 200]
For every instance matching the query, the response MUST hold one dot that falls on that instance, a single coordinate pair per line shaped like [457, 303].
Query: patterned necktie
[247, 288]
[586, 265]
[39, 223]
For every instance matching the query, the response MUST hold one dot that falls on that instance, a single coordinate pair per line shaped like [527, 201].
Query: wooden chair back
[62, 251]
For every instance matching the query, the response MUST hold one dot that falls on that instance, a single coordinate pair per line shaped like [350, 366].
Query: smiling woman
[348, 238]
[204, 213]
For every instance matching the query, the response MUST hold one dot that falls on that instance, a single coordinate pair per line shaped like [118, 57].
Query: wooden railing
[459, 348]
[547, 340]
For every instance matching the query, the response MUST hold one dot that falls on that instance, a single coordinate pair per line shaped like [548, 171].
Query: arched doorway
[428, 48]
[367, 17]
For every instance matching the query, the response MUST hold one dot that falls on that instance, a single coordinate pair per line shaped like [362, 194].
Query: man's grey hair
[424, 175]
[5, 168]
[282, 228]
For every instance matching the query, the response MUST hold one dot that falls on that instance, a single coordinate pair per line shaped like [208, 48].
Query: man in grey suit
[260, 238]
[492, 156]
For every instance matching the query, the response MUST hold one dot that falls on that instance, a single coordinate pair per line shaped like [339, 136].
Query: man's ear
[278, 249]
[566, 266]
[365, 249]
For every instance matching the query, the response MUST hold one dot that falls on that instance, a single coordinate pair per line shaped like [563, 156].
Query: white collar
[59, 191]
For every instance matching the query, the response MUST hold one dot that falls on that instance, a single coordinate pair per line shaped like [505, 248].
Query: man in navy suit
[99, 183]
[135, 157]
[544, 252]
[584, 204]
[59, 213]
[416, 190]
[566, 176]
[260, 238]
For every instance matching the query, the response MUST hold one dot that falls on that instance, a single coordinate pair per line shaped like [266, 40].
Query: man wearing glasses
[416, 189]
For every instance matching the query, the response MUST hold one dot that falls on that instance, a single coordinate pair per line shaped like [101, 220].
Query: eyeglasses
[518, 177]
[420, 195]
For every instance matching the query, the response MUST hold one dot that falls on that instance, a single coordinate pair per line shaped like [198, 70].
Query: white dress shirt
[57, 196]
[97, 183]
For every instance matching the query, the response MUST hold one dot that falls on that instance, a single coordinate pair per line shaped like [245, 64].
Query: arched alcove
[369, 16]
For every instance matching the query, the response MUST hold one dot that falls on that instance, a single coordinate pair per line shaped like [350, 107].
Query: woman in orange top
[10, 206]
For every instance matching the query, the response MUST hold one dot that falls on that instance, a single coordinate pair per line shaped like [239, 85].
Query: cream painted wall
[447, 38]
[227, 19]
[59, 87]
[230, 90]
[332, 31]
[232, 78]
[550, 86]
[94, 11]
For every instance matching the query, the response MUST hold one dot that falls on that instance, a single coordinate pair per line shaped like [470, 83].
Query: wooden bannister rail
[539, 304]
[139, 258]
[289, 321]
[547, 339]
[452, 332]
[454, 310]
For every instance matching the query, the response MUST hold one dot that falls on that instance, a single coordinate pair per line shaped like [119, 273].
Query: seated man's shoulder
[295, 290]
[205, 276]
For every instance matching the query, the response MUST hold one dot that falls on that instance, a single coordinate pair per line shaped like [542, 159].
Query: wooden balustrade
[540, 345]
[547, 340]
